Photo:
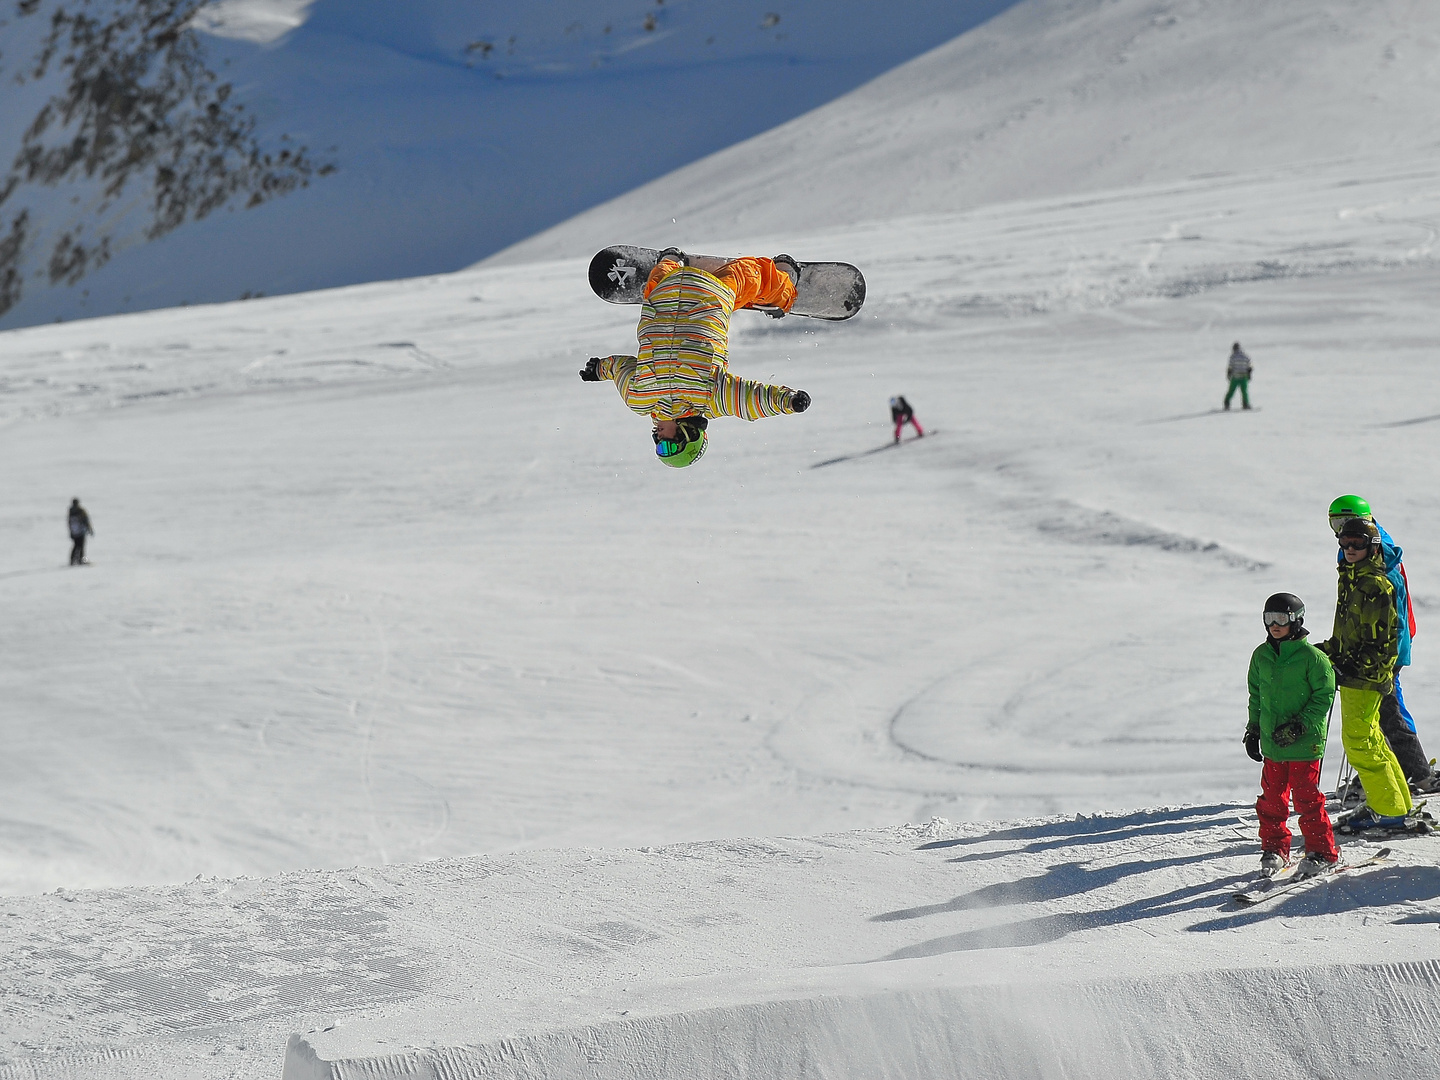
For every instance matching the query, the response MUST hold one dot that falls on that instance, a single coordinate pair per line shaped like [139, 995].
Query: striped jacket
[681, 369]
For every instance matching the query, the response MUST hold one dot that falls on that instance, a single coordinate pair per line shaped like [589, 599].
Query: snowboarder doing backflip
[681, 378]
[1396, 722]
[1238, 372]
[1362, 648]
[901, 414]
[79, 522]
[1291, 688]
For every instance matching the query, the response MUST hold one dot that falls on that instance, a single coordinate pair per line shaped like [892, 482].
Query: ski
[1290, 882]
[1266, 882]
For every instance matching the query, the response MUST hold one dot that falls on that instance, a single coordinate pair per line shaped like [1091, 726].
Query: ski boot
[1272, 862]
[1352, 795]
[1313, 865]
[1365, 818]
[1426, 785]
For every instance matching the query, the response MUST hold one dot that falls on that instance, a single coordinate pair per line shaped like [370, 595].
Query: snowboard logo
[621, 274]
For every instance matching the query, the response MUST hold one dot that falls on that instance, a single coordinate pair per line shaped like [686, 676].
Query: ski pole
[1328, 716]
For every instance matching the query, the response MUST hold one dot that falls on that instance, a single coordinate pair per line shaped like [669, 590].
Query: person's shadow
[1377, 886]
[1067, 879]
[1060, 834]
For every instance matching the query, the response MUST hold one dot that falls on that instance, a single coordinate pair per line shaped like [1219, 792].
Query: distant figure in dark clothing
[902, 414]
[1238, 370]
[79, 529]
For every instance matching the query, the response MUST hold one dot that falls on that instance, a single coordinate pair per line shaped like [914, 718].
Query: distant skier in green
[1238, 371]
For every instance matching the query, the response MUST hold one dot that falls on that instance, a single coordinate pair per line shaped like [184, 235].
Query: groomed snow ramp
[1269, 1023]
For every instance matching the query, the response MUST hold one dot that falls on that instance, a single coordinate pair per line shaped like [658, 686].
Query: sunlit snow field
[376, 578]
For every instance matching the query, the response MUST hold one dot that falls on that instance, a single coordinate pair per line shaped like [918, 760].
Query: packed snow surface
[1066, 947]
[377, 578]
[1055, 97]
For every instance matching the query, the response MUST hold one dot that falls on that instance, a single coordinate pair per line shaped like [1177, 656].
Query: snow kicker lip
[1080, 525]
[1108, 1024]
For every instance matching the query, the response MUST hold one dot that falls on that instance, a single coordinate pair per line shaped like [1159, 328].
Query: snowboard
[826, 290]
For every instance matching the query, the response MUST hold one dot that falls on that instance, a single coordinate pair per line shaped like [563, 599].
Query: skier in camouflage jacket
[1363, 648]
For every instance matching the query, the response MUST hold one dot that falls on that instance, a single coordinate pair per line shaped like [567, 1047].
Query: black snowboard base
[826, 290]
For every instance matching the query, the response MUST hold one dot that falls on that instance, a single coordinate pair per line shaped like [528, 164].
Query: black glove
[799, 401]
[1252, 746]
[1288, 733]
[588, 372]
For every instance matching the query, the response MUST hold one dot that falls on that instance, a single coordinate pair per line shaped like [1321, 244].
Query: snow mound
[1276, 1024]
[1057, 97]
[1082, 946]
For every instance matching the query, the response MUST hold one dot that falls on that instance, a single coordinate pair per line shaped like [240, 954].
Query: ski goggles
[1355, 543]
[1337, 521]
[689, 428]
[1282, 618]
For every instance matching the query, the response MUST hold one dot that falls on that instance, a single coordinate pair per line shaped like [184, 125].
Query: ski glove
[800, 401]
[1288, 733]
[1252, 746]
[588, 372]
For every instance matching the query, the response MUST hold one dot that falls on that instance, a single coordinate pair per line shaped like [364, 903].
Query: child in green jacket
[1291, 688]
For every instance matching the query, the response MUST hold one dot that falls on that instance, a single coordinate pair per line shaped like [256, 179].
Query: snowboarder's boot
[674, 253]
[790, 266]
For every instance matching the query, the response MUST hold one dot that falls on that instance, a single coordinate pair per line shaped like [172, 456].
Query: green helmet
[688, 447]
[690, 453]
[1346, 507]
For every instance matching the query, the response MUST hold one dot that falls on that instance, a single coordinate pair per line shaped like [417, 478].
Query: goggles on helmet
[1337, 521]
[1282, 618]
[1355, 543]
[688, 429]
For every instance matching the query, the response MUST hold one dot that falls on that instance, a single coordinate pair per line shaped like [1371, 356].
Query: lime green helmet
[1346, 507]
[687, 447]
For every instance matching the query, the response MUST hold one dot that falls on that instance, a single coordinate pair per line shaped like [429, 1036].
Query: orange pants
[754, 280]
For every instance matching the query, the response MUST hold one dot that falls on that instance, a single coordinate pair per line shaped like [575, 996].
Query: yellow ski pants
[1374, 762]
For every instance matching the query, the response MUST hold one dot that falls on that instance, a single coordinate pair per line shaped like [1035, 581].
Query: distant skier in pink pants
[902, 414]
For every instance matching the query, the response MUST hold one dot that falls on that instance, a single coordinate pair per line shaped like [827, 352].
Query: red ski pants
[899, 424]
[1279, 781]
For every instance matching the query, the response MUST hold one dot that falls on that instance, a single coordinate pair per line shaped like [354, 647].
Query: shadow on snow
[1047, 928]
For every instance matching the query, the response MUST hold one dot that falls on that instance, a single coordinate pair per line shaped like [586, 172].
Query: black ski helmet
[1289, 604]
[1359, 526]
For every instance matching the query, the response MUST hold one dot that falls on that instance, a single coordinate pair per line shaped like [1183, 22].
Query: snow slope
[459, 127]
[377, 578]
[1057, 97]
[1078, 947]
